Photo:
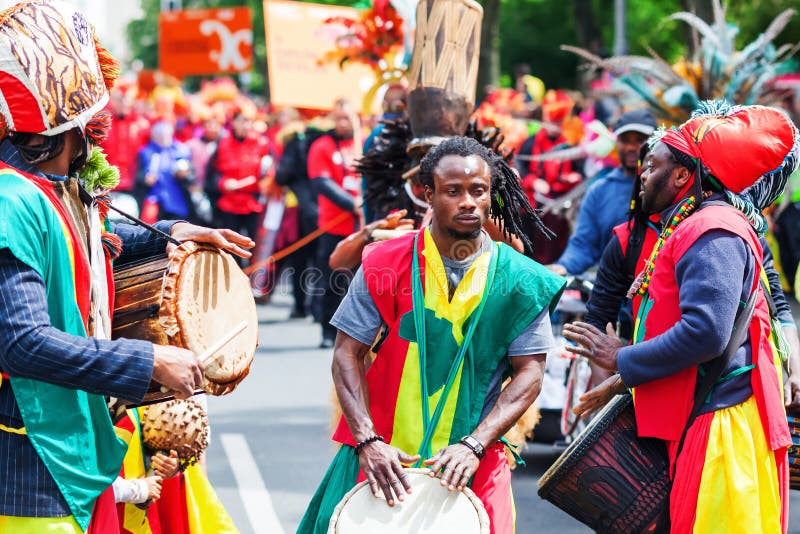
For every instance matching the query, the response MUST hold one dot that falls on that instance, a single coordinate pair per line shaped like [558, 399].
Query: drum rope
[136, 220]
[418, 308]
[297, 245]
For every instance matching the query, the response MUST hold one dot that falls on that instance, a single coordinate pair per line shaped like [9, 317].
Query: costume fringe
[109, 66]
[98, 127]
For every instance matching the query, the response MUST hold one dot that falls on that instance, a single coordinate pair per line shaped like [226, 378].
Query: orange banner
[297, 37]
[205, 41]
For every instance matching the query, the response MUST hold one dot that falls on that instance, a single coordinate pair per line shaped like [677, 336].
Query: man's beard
[464, 235]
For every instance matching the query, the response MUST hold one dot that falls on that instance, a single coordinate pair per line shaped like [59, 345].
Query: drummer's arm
[456, 463]
[709, 278]
[358, 322]
[347, 253]
[517, 397]
[139, 242]
[31, 348]
[526, 355]
[349, 378]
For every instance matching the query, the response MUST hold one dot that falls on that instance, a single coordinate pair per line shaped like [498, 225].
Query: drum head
[430, 508]
[206, 295]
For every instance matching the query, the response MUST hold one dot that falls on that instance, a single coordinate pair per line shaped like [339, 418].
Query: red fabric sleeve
[319, 158]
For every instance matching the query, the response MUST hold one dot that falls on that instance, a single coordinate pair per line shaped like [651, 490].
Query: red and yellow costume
[502, 288]
[731, 474]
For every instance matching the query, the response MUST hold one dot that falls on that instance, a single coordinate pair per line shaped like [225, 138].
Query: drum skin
[609, 478]
[190, 300]
[430, 508]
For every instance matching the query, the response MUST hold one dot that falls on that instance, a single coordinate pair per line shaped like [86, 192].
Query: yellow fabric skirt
[739, 488]
[39, 525]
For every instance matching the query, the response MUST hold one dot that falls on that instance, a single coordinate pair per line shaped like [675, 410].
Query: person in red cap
[550, 178]
[702, 365]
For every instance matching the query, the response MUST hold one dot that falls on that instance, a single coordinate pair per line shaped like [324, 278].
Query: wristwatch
[474, 445]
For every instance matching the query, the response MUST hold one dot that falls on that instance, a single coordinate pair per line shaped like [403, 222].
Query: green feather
[97, 174]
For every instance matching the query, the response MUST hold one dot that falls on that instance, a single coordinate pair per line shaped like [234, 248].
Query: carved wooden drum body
[190, 300]
[609, 478]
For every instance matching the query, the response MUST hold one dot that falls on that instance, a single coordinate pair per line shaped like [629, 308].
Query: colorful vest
[642, 252]
[504, 287]
[663, 406]
[70, 430]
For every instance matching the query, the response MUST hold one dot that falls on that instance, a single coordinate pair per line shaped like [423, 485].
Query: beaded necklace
[642, 282]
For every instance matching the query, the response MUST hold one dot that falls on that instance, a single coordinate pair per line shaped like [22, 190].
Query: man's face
[211, 128]
[122, 103]
[241, 126]
[461, 197]
[343, 123]
[658, 184]
[628, 146]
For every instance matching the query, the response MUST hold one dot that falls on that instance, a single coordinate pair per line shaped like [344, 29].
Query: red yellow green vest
[663, 406]
[513, 290]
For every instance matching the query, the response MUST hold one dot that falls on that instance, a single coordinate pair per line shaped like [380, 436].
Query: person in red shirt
[237, 170]
[331, 161]
[550, 178]
[131, 132]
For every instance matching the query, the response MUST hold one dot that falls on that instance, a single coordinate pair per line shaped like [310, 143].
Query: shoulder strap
[634, 246]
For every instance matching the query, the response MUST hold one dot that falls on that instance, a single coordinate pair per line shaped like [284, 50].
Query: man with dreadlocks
[460, 311]
[60, 452]
[702, 366]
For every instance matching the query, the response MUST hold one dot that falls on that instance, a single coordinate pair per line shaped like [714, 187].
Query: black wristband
[371, 439]
[474, 445]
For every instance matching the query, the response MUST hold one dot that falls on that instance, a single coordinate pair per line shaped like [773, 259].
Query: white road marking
[253, 492]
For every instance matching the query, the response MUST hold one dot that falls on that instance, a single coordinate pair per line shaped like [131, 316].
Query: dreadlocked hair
[383, 166]
[516, 201]
[49, 148]
[509, 204]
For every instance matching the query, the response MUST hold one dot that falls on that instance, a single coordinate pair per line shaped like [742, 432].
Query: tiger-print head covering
[54, 76]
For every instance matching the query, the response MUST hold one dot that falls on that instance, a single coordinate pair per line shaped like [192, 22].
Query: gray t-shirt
[359, 318]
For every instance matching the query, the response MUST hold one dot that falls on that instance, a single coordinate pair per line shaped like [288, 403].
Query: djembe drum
[609, 478]
[444, 71]
[191, 300]
[429, 509]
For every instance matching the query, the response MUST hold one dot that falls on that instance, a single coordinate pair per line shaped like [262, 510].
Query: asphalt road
[270, 443]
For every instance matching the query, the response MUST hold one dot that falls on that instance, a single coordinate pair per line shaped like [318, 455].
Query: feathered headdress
[54, 75]
[716, 71]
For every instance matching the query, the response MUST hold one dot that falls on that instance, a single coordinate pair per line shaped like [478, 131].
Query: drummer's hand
[597, 397]
[383, 466]
[600, 348]
[165, 466]
[177, 369]
[395, 220]
[455, 465]
[224, 239]
[153, 487]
